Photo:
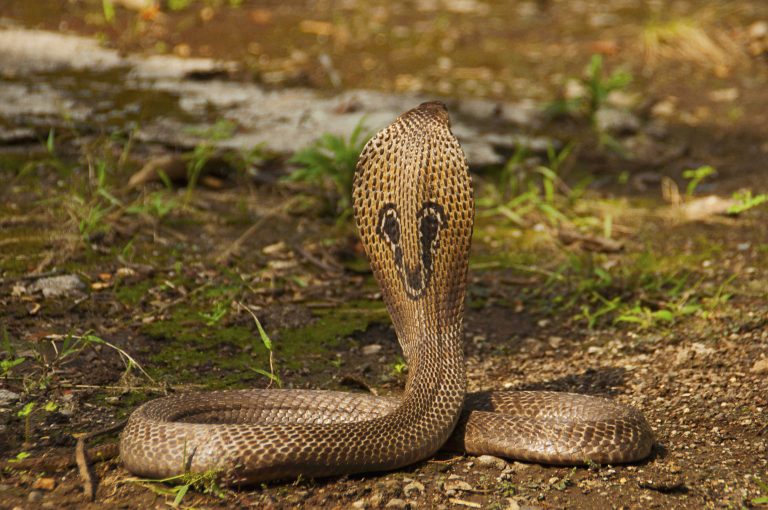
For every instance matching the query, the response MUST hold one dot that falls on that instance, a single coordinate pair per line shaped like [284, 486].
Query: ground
[599, 266]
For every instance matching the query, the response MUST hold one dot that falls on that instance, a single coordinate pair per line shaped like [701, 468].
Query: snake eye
[389, 225]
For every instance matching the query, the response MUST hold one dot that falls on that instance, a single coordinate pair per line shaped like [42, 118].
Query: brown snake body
[414, 211]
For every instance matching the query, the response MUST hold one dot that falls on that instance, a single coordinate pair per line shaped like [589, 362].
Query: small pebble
[7, 397]
[758, 29]
[44, 483]
[371, 349]
[413, 486]
[57, 285]
[760, 366]
[491, 461]
[35, 496]
[396, 503]
[457, 485]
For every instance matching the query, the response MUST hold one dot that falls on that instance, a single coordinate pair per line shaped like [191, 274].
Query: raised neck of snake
[414, 211]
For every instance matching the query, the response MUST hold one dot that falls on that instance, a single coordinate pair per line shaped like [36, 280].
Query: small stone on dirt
[7, 397]
[376, 499]
[35, 496]
[554, 342]
[615, 121]
[700, 208]
[371, 349]
[457, 485]
[396, 503]
[758, 29]
[55, 286]
[414, 486]
[46, 484]
[664, 485]
[491, 461]
[760, 367]
[696, 351]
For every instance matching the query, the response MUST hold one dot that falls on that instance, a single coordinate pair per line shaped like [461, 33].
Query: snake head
[436, 110]
[414, 211]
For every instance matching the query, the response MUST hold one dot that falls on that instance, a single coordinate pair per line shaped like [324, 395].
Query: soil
[170, 290]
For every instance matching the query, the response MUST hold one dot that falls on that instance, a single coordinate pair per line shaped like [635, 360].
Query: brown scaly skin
[414, 211]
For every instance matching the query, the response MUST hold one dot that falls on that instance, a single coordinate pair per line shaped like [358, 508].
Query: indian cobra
[414, 211]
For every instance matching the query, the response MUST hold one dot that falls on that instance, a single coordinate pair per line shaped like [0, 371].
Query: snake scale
[414, 211]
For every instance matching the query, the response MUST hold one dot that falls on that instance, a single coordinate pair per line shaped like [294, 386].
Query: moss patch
[227, 355]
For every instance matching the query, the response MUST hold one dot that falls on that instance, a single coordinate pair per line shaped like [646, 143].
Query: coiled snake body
[414, 211]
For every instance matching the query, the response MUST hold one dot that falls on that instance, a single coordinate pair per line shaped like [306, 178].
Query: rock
[663, 484]
[360, 503]
[758, 30]
[491, 461]
[281, 121]
[615, 121]
[703, 207]
[760, 367]
[665, 108]
[574, 89]
[520, 466]
[396, 503]
[376, 499]
[44, 483]
[35, 497]
[525, 113]
[480, 108]
[414, 486]
[55, 286]
[371, 349]
[696, 351]
[727, 95]
[13, 136]
[7, 397]
[622, 100]
[457, 485]
[554, 342]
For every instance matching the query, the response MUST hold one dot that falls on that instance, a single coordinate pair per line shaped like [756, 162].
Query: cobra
[414, 210]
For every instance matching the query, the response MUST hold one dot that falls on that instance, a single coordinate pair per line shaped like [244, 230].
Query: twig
[316, 261]
[48, 259]
[81, 458]
[353, 381]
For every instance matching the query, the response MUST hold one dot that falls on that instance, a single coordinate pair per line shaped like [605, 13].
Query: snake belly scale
[414, 211]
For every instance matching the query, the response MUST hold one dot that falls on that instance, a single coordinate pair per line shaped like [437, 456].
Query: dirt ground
[673, 321]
